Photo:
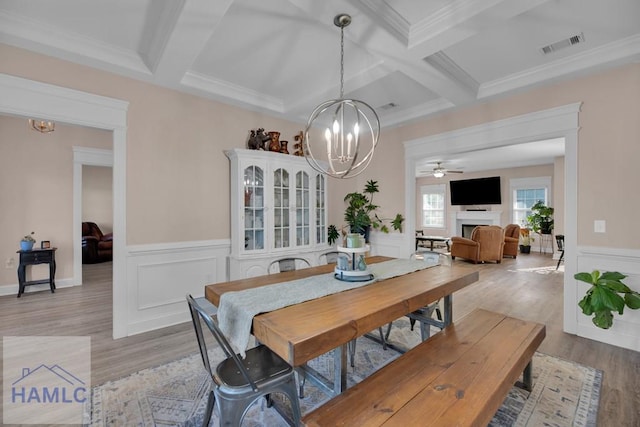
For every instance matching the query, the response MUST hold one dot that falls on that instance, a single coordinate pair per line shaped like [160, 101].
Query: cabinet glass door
[253, 208]
[281, 209]
[321, 209]
[302, 209]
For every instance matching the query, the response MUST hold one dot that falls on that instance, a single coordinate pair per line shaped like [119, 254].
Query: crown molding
[231, 92]
[26, 33]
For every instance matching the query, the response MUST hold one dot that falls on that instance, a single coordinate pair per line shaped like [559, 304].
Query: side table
[33, 257]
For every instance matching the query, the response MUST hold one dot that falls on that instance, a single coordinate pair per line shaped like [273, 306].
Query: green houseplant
[606, 295]
[26, 243]
[332, 234]
[525, 240]
[361, 215]
[541, 218]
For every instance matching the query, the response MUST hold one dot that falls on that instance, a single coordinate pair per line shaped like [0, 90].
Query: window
[525, 192]
[433, 207]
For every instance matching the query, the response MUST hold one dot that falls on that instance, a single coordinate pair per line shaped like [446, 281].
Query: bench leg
[527, 380]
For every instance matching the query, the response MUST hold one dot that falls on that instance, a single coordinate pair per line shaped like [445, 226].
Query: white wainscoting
[625, 331]
[388, 244]
[160, 275]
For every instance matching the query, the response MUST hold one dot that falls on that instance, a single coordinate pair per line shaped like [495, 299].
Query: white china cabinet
[278, 209]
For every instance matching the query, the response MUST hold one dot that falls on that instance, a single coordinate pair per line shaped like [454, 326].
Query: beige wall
[178, 176]
[505, 176]
[97, 196]
[36, 190]
[608, 147]
[177, 173]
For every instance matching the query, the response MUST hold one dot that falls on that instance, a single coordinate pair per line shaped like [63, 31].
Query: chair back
[331, 257]
[91, 229]
[199, 315]
[560, 241]
[491, 241]
[287, 264]
[512, 230]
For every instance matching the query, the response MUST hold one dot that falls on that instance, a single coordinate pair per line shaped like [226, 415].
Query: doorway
[84, 158]
[558, 122]
[23, 97]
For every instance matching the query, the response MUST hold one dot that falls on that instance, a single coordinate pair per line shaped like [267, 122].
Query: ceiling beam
[176, 53]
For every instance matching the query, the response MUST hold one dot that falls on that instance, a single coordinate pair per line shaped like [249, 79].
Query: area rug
[175, 394]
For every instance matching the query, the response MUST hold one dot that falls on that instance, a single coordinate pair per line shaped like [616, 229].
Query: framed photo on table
[45, 244]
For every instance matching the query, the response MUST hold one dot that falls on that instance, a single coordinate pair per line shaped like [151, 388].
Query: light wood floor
[521, 288]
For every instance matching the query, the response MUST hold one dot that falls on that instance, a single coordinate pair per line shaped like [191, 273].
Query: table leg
[340, 369]
[52, 276]
[431, 247]
[22, 277]
[448, 310]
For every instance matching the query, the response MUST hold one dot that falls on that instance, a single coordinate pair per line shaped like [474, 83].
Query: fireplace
[467, 229]
[473, 218]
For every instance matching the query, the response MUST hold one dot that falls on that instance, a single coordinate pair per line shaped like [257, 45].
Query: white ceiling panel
[516, 45]
[282, 57]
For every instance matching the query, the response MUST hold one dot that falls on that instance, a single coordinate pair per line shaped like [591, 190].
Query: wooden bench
[459, 377]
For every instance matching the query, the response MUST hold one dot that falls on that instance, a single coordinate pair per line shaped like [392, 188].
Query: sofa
[486, 243]
[96, 246]
[511, 240]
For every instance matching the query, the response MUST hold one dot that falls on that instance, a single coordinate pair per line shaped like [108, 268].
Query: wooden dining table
[304, 331]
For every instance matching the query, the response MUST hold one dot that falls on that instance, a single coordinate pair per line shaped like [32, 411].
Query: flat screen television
[479, 191]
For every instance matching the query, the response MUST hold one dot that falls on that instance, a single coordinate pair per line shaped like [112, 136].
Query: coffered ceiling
[408, 59]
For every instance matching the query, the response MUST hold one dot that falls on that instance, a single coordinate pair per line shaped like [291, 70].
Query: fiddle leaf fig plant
[606, 295]
[361, 211]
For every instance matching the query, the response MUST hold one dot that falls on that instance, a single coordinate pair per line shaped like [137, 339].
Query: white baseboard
[13, 288]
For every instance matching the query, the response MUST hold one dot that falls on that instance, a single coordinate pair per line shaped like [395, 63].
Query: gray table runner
[237, 308]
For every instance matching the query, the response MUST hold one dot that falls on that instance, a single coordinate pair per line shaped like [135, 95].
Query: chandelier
[42, 125]
[351, 127]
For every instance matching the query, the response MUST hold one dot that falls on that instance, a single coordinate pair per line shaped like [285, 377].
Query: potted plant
[26, 244]
[525, 240]
[332, 234]
[606, 295]
[541, 218]
[361, 214]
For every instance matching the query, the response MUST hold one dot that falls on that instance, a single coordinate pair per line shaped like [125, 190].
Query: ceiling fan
[439, 171]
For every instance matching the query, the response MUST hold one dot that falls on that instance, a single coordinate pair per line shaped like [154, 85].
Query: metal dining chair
[287, 264]
[331, 257]
[237, 382]
[426, 312]
[560, 244]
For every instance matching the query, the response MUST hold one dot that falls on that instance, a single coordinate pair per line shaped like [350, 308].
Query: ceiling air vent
[563, 43]
[388, 106]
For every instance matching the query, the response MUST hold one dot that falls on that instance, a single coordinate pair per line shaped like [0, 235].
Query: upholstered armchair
[486, 244]
[96, 246]
[511, 240]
